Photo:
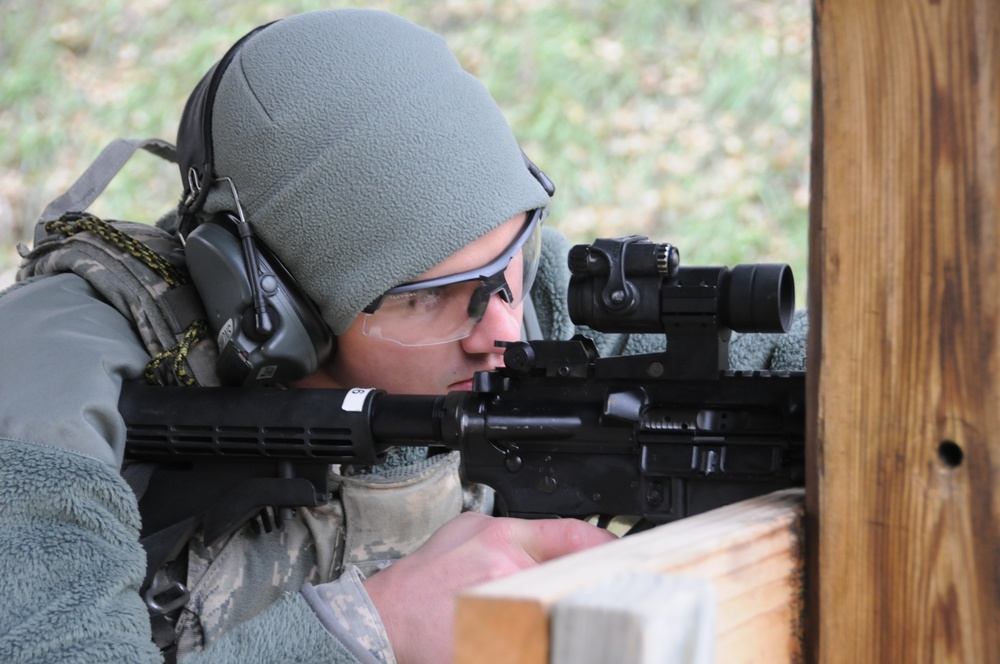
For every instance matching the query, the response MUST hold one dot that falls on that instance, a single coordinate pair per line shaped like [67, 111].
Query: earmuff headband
[195, 154]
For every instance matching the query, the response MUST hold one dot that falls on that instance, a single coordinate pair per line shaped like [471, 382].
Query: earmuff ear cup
[301, 340]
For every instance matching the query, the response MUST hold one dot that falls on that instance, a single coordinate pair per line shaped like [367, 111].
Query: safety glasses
[436, 311]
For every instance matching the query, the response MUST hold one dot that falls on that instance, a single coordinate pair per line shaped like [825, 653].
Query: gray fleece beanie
[362, 153]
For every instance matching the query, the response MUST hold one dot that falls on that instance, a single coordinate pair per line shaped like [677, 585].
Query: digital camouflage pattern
[350, 606]
[379, 517]
[390, 512]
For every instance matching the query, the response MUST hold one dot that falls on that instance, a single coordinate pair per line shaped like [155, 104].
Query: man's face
[361, 361]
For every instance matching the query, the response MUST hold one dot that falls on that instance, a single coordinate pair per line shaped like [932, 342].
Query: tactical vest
[138, 268]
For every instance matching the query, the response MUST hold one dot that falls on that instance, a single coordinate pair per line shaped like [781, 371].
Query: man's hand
[416, 595]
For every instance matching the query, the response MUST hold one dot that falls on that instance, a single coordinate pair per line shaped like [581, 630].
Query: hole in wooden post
[950, 454]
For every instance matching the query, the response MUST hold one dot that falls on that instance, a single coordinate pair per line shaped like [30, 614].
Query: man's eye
[418, 301]
[427, 298]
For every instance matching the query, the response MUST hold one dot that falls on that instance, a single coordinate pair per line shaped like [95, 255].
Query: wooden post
[903, 498]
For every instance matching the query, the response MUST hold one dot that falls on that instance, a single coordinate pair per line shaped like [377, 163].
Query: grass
[683, 120]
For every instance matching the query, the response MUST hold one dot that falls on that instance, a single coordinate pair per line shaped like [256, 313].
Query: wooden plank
[751, 551]
[904, 394]
[639, 618]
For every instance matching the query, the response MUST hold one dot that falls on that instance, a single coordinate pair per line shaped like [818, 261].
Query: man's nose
[499, 323]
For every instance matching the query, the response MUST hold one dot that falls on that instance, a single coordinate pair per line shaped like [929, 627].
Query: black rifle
[559, 431]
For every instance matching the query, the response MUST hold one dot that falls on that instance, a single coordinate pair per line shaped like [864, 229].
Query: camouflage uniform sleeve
[321, 557]
[288, 631]
[344, 608]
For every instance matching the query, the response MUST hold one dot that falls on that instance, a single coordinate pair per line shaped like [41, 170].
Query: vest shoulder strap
[139, 269]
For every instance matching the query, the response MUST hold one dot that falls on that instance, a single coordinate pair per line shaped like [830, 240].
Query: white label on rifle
[354, 400]
[225, 334]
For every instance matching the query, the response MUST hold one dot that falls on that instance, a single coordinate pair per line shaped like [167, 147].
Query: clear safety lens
[448, 308]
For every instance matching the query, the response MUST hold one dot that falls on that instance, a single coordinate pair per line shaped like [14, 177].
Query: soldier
[357, 153]
[403, 229]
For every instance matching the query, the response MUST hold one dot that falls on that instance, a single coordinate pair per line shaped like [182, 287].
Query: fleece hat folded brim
[362, 152]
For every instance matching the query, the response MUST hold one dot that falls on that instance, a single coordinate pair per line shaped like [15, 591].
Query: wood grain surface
[903, 503]
[751, 552]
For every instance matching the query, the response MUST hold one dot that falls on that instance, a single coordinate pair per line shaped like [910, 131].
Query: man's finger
[545, 539]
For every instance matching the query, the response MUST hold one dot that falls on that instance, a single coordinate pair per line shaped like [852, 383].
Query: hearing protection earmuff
[268, 331]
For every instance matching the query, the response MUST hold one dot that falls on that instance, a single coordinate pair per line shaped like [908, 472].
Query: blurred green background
[683, 120]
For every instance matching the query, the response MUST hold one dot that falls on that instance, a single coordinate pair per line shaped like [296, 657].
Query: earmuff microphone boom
[263, 327]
